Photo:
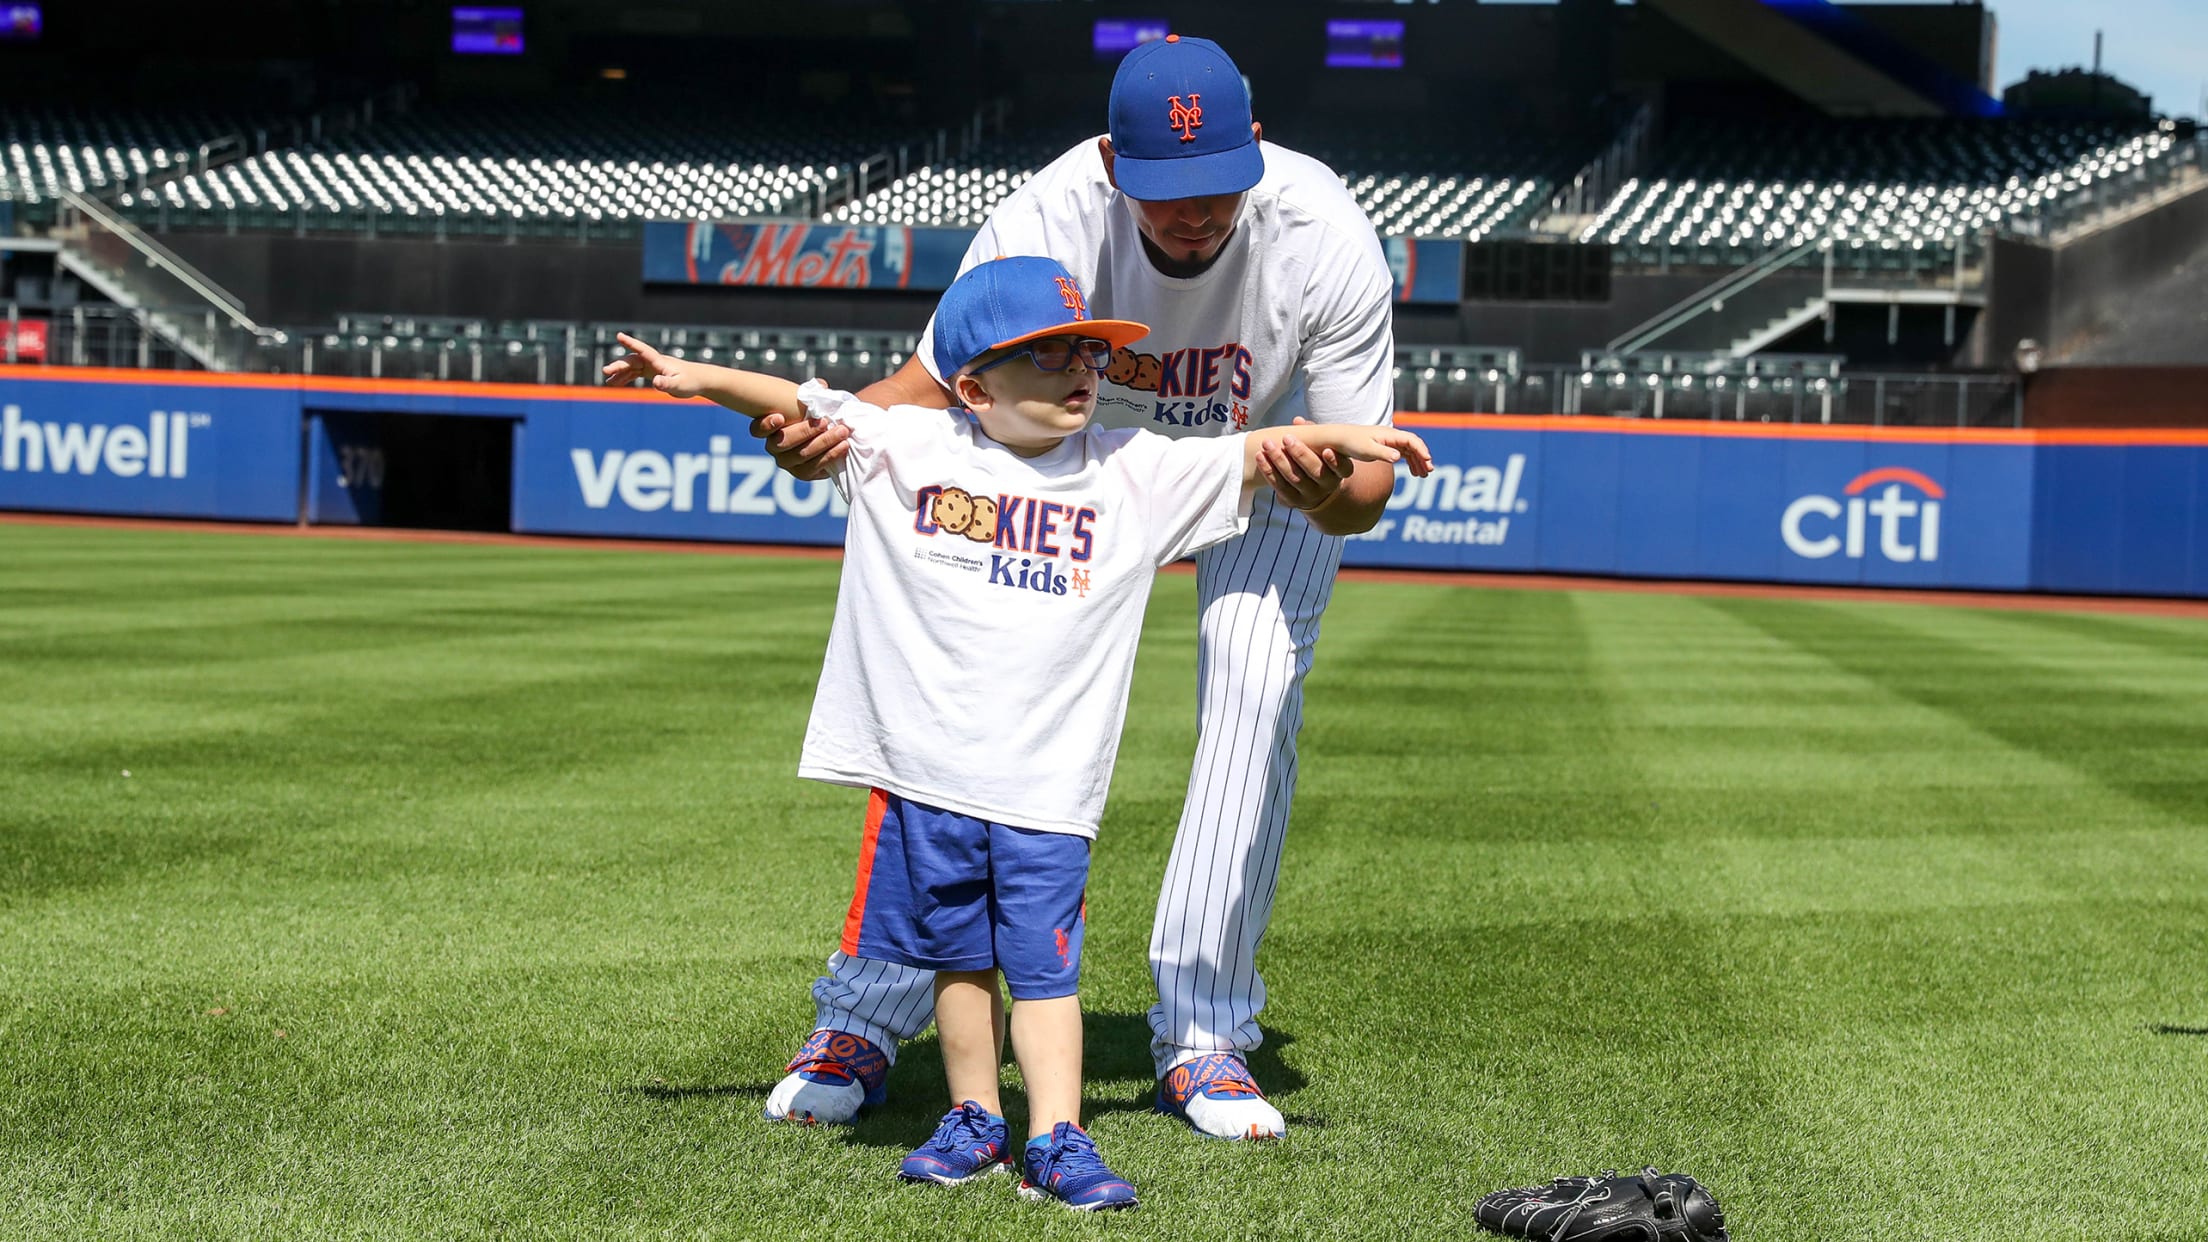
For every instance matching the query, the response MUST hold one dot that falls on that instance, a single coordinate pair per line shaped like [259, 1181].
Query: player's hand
[1301, 476]
[644, 364]
[1393, 444]
[809, 448]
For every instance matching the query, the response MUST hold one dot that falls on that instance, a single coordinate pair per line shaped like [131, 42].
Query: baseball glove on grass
[1650, 1207]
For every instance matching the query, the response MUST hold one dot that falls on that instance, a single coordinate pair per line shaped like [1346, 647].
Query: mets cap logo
[1070, 293]
[1185, 120]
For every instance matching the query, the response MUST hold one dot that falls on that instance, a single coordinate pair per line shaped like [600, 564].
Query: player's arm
[1355, 444]
[746, 392]
[1349, 365]
[810, 450]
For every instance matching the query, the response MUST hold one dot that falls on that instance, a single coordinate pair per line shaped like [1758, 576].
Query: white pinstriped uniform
[1292, 319]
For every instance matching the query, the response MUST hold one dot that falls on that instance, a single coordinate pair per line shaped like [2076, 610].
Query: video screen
[1117, 36]
[486, 31]
[1363, 44]
[21, 22]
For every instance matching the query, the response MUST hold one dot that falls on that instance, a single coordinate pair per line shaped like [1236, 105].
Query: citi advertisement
[1687, 505]
[149, 449]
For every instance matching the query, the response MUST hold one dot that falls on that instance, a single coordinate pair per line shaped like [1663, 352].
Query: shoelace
[1229, 1083]
[822, 1065]
[1071, 1152]
[963, 1129]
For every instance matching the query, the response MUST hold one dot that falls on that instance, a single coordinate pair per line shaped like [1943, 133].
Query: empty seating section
[1429, 189]
[560, 352]
[961, 193]
[1742, 187]
[45, 149]
[572, 163]
[1447, 182]
[1716, 190]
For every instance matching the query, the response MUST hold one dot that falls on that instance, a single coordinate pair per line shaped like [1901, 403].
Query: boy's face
[1025, 408]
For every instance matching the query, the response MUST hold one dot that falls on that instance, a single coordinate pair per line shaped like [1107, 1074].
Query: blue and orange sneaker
[1215, 1095]
[1065, 1166]
[830, 1079]
[969, 1143]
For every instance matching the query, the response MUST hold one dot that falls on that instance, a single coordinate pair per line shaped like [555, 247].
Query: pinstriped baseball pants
[1260, 599]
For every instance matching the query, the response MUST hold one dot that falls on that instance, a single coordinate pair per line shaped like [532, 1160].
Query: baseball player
[1008, 529]
[1268, 297]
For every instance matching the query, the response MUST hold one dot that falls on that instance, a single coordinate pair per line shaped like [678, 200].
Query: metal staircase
[174, 300]
[1749, 311]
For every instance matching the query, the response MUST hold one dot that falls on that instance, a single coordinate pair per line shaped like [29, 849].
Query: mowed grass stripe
[1576, 882]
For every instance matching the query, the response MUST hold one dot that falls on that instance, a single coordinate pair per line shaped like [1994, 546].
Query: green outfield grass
[456, 891]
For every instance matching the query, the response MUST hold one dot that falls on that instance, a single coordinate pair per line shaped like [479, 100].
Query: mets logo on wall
[1816, 527]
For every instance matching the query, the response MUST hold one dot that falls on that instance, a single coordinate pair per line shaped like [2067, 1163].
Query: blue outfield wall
[2097, 512]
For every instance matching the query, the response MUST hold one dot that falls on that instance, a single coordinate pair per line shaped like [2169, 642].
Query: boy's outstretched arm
[746, 392]
[1355, 441]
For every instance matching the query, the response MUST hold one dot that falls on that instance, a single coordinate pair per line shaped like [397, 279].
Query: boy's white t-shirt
[1295, 317]
[990, 605]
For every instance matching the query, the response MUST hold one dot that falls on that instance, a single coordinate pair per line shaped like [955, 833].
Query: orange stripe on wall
[328, 383]
[877, 805]
[1804, 431]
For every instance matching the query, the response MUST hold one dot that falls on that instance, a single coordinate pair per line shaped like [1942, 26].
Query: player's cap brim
[1117, 332]
[1196, 176]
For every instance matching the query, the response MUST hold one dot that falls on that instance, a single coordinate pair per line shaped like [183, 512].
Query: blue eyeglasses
[1055, 353]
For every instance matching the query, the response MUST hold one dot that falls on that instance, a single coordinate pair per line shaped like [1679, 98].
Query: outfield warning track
[2012, 600]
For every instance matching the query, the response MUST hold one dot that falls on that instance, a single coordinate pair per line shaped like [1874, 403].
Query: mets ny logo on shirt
[1009, 526]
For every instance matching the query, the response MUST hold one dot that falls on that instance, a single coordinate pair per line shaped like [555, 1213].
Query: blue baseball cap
[1007, 302]
[1180, 123]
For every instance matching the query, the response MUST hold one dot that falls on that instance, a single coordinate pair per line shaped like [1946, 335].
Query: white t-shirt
[990, 605]
[1294, 318]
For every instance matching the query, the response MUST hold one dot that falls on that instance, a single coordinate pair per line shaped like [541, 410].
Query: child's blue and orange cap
[1007, 302]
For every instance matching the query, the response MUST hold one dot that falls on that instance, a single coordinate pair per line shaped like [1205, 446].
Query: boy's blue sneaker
[969, 1143]
[830, 1079]
[1215, 1095]
[1065, 1166]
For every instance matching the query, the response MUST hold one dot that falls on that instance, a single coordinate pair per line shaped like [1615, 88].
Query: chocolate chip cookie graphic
[983, 528]
[954, 511]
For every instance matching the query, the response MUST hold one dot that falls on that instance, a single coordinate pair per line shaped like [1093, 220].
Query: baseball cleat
[969, 1143]
[1215, 1096]
[1065, 1166]
[830, 1079]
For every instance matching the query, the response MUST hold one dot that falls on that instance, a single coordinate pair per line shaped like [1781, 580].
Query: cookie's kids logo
[1045, 530]
[1188, 383]
[1185, 119]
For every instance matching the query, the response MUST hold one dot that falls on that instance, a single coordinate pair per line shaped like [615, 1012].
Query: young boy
[998, 559]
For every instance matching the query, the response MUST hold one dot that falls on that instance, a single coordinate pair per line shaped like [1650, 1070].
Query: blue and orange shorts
[938, 890]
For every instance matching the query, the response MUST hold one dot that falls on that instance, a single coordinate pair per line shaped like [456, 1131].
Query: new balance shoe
[969, 1143]
[830, 1079]
[1065, 1166]
[1214, 1094]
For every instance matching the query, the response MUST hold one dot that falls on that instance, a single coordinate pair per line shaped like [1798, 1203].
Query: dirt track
[2133, 605]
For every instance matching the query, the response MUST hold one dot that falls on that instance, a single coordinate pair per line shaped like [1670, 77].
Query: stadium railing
[1764, 388]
